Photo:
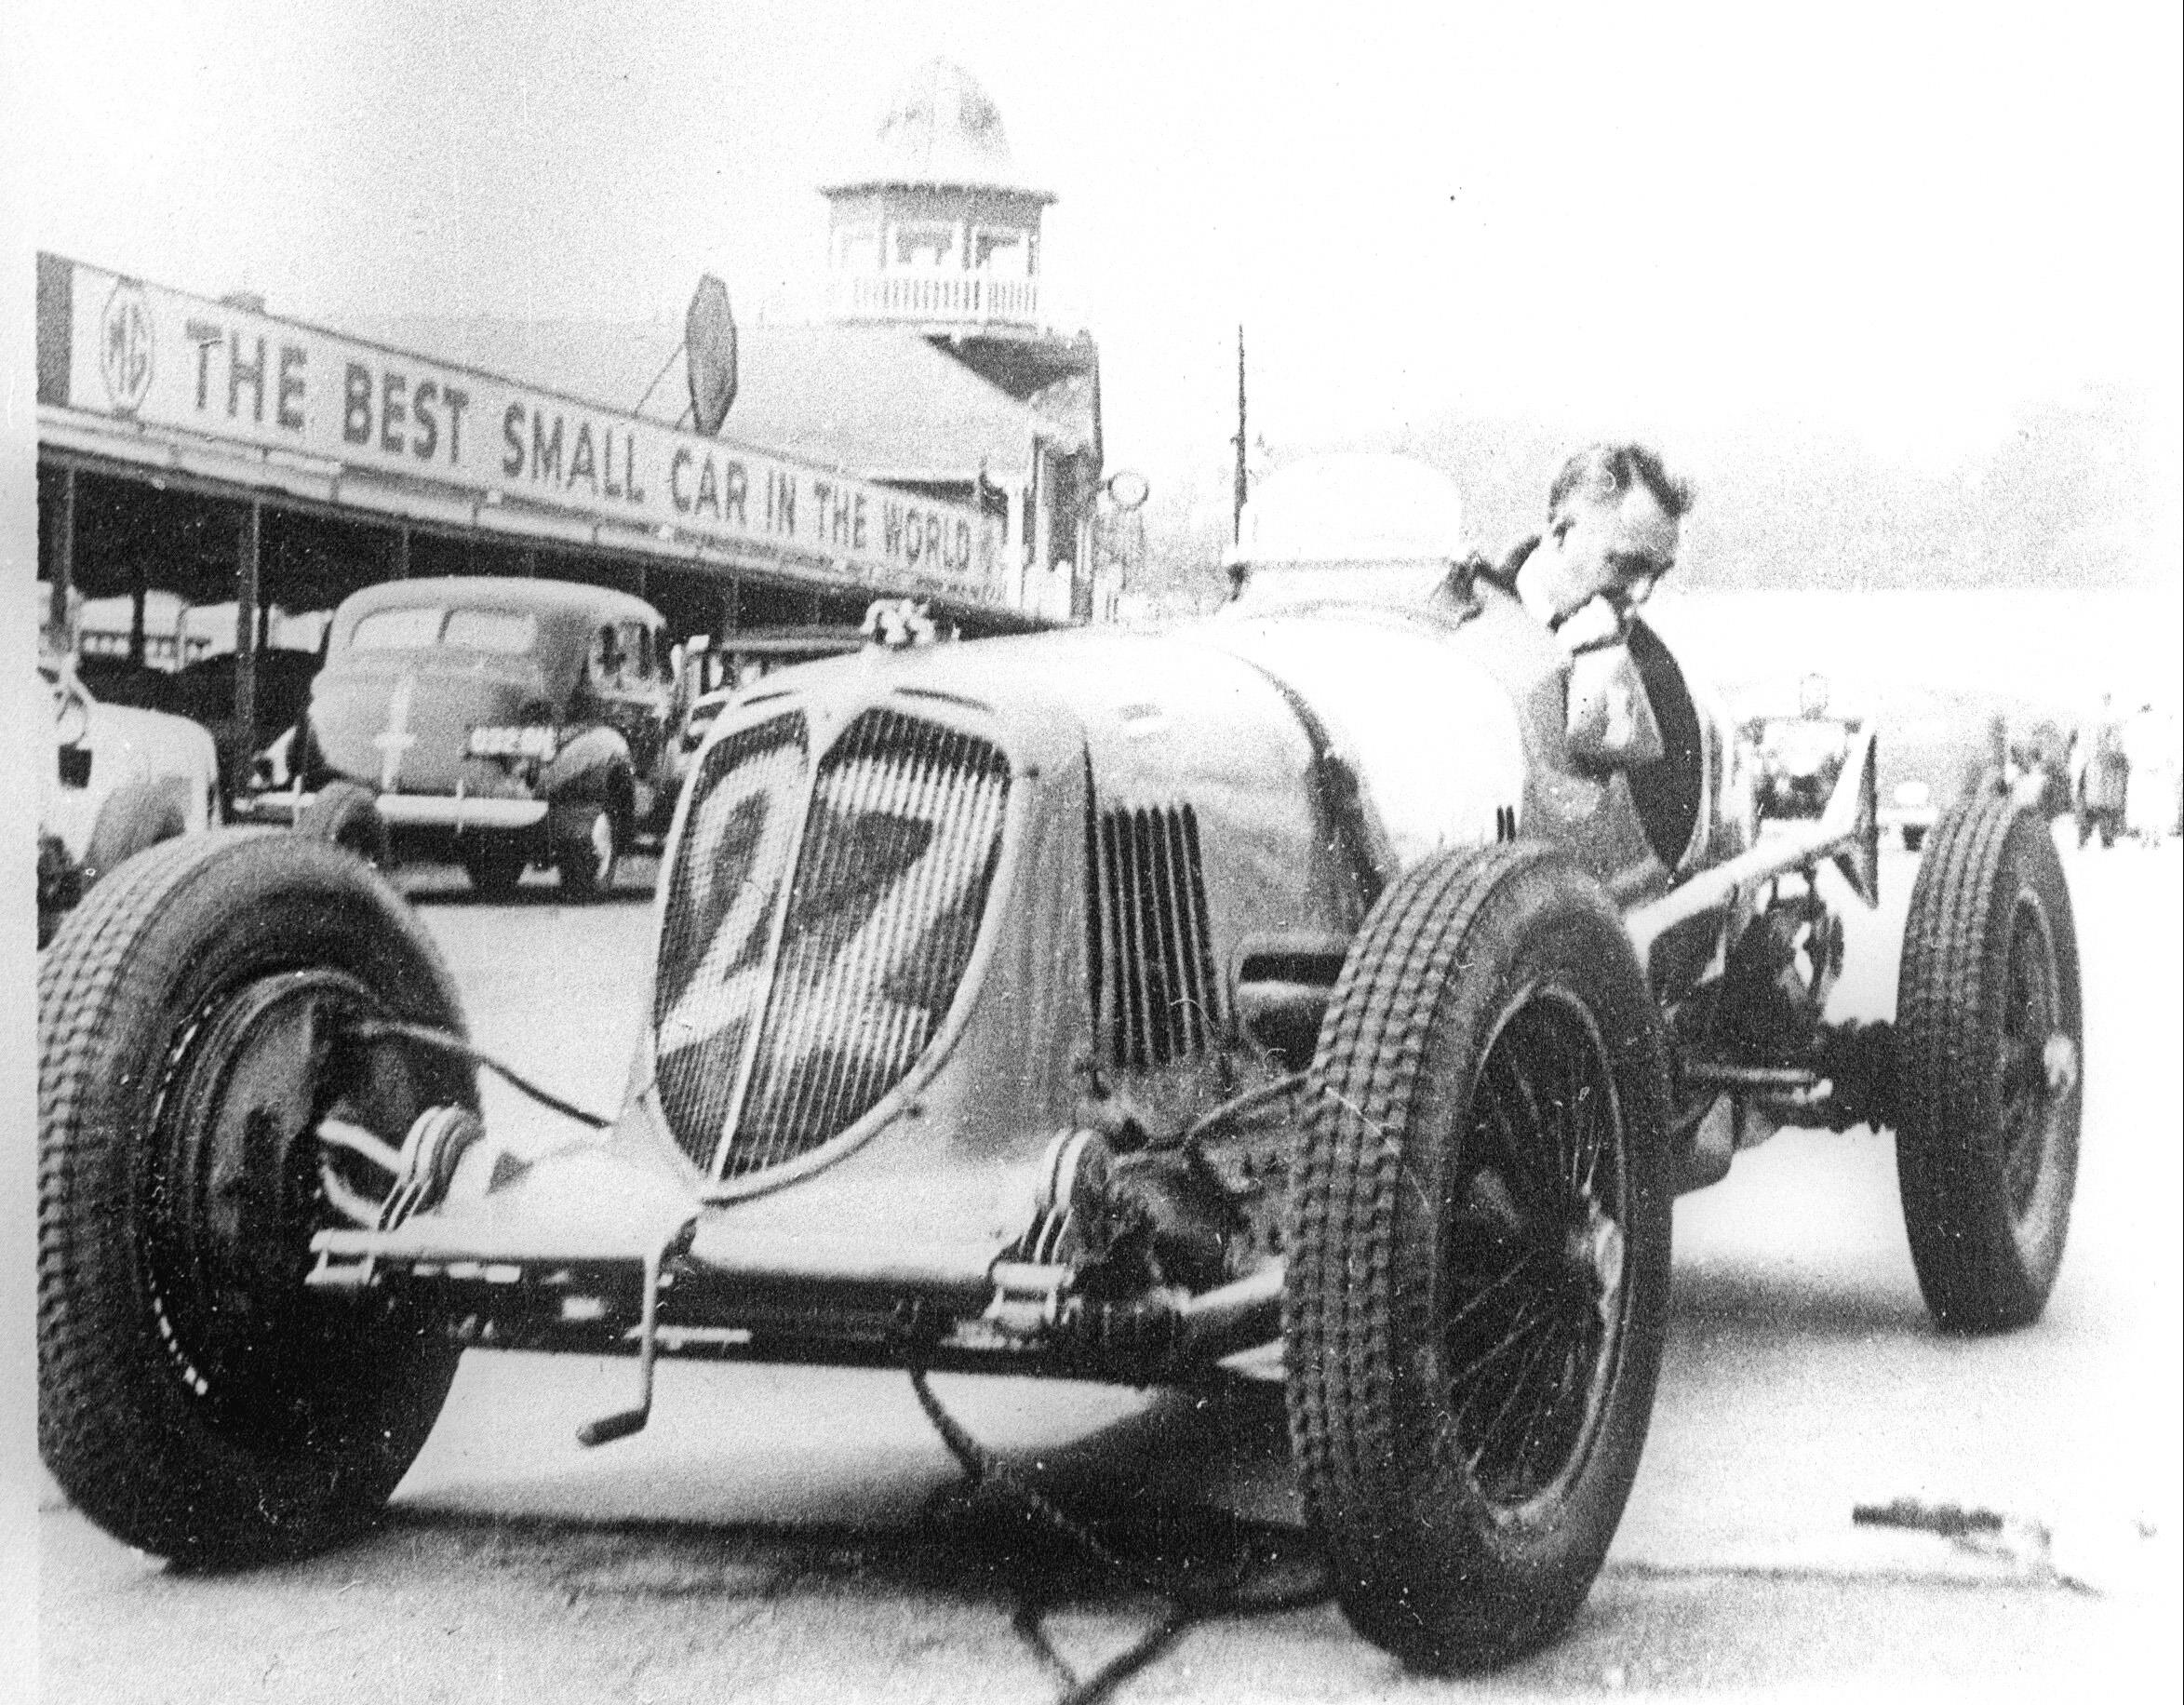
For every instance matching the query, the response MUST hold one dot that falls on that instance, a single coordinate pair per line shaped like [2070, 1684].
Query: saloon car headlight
[1912, 795]
[540, 743]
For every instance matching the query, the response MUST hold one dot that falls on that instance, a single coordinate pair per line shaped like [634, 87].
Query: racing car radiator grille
[722, 900]
[1152, 946]
[855, 966]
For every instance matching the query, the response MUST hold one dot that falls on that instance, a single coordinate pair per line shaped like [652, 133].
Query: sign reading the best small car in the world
[164, 359]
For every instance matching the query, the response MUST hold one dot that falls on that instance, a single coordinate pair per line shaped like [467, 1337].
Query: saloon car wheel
[586, 849]
[1478, 1277]
[1989, 1070]
[347, 816]
[494, 872]
[193, 1398]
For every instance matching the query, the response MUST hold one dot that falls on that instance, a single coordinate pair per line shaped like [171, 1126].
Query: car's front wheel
[1989, 1066]
[1479, 1239]
[202, 1110]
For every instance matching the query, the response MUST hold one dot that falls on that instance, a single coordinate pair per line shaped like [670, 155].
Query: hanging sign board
[137, 352]
[708, 346]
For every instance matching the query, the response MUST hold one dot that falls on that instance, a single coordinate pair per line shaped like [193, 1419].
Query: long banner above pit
[120, 347]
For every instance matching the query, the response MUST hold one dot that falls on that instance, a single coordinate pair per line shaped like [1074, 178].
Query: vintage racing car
[1800, 757]
[1355, 969]
[493, 723]
[716, 670]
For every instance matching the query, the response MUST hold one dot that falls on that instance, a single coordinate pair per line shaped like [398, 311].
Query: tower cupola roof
[941, 131]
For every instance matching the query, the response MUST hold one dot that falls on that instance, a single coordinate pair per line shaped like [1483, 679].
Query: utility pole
[1243, 484]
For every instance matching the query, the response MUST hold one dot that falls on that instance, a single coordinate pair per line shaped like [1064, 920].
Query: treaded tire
[345, 815]
[1990, 1037]
[193, 1399]
[1485, 989]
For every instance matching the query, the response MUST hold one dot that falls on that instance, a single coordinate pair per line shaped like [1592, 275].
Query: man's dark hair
[1607, 471]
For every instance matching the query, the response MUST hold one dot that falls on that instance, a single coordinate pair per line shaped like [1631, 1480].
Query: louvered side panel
[899, 856]
[722, 895]
[1182, 1026]
[1097, 910]
[1198, 948]
[1155, 939]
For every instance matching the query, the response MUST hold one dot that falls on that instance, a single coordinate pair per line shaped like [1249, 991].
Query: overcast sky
[1903, 221]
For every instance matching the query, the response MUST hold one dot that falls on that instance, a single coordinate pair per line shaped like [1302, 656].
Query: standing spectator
[2104, 787]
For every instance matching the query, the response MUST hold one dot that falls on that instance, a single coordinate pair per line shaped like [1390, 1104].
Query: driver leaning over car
[1614, 523]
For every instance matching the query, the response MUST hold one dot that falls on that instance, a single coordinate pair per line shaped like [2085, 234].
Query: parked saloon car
[492, 723]
[1355, 969]
[120, 780]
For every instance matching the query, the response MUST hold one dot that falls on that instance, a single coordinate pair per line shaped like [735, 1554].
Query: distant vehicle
[1935, 745]
[120, 780]
[1941, 744]
[1909, 811]
[493, 723]
[1798, 759]
[204, 692]
[752, 653]
[715, 671]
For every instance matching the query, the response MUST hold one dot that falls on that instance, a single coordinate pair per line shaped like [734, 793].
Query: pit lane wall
[401, 433]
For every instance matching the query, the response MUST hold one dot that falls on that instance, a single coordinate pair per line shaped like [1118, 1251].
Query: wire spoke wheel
[1477, 1288]
[1989, 1074]
[1536, 1303]
[2037, 1060]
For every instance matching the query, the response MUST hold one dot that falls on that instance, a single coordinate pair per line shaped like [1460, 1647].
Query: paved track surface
[801, 1534]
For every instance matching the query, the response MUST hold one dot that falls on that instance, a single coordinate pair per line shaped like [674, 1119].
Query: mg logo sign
[125, 347]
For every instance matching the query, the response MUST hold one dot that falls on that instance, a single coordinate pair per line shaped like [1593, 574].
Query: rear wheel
[1988, 1079]
[193, 1398]
[347, 816]
[1478, 1279]
[494, 871]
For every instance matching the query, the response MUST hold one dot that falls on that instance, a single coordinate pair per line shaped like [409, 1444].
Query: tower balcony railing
[936, 298]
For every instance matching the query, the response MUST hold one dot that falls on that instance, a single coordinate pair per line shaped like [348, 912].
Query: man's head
[1612, 514]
